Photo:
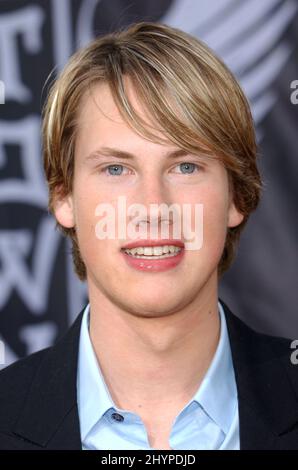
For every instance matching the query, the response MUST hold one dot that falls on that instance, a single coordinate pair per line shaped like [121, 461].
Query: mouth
[156, 252]
[153, 255]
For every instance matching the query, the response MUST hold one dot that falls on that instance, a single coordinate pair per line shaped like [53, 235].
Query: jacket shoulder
[279, 345]
[38, 397]
[253, 350]
[15, 381]
[286, 350]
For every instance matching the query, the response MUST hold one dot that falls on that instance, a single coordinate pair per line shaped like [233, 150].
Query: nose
[152, 189]
[155, 199]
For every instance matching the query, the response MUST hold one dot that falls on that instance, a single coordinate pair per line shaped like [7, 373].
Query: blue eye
[116, 170]
[188, 167]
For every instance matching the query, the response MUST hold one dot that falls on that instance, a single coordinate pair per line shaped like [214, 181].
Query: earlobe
[64, 211]
[234, 217]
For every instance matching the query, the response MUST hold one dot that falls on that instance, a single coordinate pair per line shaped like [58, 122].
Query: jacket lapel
[267, 402]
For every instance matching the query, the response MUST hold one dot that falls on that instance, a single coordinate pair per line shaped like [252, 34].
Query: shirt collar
[217, 393]
[94, 399]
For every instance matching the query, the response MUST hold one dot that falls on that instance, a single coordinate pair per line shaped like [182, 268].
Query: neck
[150, 362]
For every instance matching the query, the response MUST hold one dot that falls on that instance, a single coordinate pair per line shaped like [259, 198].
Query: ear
[234, 216]
[64, 211]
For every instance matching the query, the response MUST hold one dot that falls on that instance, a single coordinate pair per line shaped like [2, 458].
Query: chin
[158, 304]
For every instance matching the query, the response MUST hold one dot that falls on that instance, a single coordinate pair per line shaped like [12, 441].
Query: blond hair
[189, 92]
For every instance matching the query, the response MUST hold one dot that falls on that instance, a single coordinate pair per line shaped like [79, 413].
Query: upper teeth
[153, 250]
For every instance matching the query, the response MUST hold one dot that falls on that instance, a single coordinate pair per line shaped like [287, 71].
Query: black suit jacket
[38, 403]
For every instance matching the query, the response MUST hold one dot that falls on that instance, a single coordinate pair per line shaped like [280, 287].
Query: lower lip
[153, 265]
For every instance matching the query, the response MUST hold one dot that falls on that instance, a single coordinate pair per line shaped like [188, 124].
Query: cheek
[94, 251]
[215, 218]
[85, 202]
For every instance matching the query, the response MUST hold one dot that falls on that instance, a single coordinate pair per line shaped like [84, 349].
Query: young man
[155, 360]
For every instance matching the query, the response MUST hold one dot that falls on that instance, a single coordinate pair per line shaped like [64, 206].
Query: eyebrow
[117, 153]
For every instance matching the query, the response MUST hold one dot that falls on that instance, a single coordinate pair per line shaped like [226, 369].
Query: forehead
[100, 121]
[99, 118]
[98, 103]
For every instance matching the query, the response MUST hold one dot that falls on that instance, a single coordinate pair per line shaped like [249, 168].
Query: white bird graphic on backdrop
[247, 35]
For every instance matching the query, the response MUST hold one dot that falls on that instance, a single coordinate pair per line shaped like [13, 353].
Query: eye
[114, 170]
[188, 168]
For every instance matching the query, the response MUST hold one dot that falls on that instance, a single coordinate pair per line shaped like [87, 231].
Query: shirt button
[117, 417]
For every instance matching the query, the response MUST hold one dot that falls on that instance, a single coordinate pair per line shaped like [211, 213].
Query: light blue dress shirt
[209, 420]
